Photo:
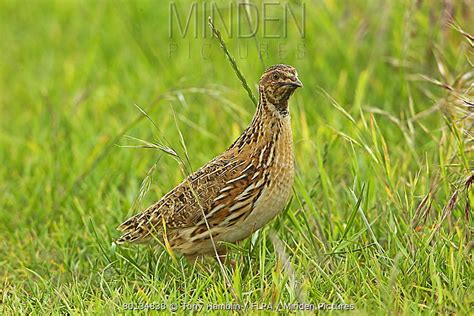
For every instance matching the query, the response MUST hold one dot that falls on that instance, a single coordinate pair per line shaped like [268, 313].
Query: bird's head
[277, 84]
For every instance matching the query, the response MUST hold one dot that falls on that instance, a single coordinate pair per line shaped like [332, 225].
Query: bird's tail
[134, 230]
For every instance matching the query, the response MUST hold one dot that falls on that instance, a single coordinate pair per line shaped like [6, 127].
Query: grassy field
[381, 215]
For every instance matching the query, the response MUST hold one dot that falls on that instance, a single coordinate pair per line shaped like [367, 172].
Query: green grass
[381, 215]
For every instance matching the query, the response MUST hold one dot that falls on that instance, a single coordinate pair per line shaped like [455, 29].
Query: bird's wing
[224, 190]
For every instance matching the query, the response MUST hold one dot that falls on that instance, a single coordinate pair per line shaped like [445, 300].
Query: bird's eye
[276, 77]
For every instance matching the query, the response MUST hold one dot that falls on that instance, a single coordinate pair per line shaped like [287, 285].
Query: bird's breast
[280, 173]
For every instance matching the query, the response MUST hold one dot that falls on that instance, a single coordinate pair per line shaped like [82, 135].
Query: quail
[234, 194]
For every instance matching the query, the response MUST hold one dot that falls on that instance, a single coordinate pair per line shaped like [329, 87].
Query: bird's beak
[296, 83]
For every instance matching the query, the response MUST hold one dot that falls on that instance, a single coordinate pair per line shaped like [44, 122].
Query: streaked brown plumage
[239, 191]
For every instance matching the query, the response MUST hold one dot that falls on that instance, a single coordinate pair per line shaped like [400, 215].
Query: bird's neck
[270, 110]
[274, 103]
[267, 122]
